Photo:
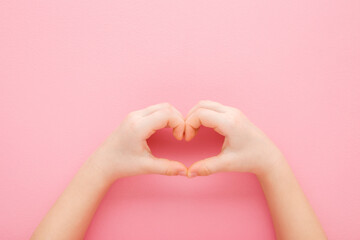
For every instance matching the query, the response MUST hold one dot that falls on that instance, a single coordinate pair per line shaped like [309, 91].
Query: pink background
[71, 70]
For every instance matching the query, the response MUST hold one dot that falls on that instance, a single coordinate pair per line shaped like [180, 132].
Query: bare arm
[291, 212]
[72, 213]
[124, 153]
[247, 149]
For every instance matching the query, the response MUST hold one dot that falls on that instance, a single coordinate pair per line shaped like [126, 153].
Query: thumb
[167, 167]
[206, 167]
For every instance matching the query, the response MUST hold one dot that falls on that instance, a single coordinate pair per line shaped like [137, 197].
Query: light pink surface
[71, 70]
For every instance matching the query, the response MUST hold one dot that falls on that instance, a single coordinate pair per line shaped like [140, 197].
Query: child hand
[125, 152]
[246, 148]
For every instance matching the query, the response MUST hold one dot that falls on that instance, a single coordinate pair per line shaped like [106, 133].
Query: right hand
[246, 148]
[126, 152]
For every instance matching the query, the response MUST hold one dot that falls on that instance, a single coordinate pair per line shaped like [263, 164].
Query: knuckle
[232, 119]
[162, 113]
[207, 101]
[236, 111]
[203, 101]
[167, 105]
[199, 114]
[133, 124]
[131, 116]
[175, 110]
[167, 110]
[201, 111]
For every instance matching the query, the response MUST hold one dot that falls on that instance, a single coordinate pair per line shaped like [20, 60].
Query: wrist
[275, 161]
[100, 170]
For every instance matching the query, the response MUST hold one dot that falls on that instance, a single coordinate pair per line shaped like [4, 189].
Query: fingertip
[192, 174]
[189, 133]
[181, 136]
[193, 133]
[178, 132]
[182, 170]
[192, 170]
[176, 135]
[182, 173]
[202, 168]
[189, 137]
[181, 133]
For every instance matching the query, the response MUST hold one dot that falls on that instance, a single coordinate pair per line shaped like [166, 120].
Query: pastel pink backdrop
[71, 70]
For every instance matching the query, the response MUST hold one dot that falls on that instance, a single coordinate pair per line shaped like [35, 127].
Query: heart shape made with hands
[206, 143]
[198, 145]
[209, 114]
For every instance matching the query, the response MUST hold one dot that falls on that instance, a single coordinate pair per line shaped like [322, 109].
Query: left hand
[245, 149]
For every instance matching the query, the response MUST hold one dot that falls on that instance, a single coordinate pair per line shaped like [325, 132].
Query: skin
[247, 149]
[126, 153]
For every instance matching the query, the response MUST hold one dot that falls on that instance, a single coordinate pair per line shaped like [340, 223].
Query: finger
[207, 118]
[162, 118]
[166, 167]
[178, 112]
[215, 106]
[153, 108]
[207, 166]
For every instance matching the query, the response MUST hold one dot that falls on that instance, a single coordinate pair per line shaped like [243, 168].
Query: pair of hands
[126, 152]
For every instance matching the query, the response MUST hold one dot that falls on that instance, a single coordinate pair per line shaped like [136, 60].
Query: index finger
[207, 118]
[162, 118]
[212, 105]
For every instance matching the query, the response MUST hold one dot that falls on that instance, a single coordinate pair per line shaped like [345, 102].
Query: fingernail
[192, 174]
[182, 173]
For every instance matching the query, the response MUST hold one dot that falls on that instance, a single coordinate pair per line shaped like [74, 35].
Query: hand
[246, 148]
[125, 152]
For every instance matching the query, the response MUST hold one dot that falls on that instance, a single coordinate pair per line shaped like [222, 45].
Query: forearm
[291, 212]
[72, 213]
[124, 153]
